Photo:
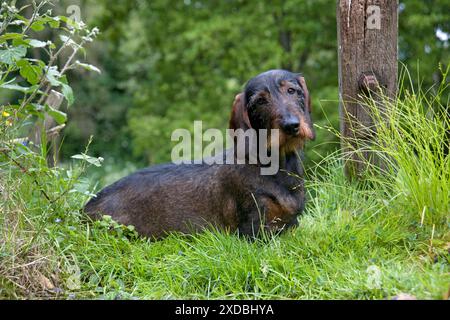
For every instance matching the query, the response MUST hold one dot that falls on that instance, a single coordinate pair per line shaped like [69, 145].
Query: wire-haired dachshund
[190, 197]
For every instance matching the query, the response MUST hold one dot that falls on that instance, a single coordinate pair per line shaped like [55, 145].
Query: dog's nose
[291, 126]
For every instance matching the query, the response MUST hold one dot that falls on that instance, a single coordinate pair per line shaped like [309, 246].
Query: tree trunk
[367, 50]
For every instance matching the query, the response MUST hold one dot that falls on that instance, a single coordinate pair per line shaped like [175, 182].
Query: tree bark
[367, 49]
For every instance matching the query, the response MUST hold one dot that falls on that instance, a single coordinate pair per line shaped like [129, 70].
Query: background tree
[167, 63]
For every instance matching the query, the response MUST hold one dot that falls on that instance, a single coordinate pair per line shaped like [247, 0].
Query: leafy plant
[39, 194]
[36, 77]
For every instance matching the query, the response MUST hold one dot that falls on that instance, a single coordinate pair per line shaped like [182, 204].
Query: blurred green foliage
[167, 63]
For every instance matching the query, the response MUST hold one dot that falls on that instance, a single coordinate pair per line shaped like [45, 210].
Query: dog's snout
[291, 125]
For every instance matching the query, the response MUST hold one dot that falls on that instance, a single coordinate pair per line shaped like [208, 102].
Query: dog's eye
[291, 91]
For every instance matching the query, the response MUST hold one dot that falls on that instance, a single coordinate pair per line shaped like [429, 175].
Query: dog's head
[276, 99]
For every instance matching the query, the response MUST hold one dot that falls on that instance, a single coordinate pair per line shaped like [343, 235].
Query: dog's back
[164, 198]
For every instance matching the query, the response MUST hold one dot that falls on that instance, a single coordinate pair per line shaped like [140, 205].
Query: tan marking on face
[276, 215]
[293, 144]
[305, 129]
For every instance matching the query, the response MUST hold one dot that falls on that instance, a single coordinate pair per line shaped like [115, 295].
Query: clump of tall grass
[412, 143]
[407, 154]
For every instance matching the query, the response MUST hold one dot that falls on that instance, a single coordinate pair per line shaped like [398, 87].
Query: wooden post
[367, 50]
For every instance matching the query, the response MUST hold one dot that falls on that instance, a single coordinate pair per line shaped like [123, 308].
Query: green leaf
[37, 43]
[64, 38]
[54, 23]
[55, 79]
[21, 148]
[17, 88]
[35, 109]
[40, 63]
[59, 116]
[22, 18]
[10, 55]
[89, 67]
[30, 72]
[38, 25]
[67, 93]
[68, 41]
[20, 42]
[9, 36]
[17, 23]
[70, 22]
[53, 76]
[92, 160]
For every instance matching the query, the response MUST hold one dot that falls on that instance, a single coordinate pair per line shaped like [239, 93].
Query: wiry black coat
[190, 197]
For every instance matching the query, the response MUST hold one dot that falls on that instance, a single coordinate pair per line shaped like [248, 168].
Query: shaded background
[167, 63]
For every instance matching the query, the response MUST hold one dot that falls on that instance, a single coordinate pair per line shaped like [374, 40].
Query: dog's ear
[239, 116]
[302, 82]
[306, 125]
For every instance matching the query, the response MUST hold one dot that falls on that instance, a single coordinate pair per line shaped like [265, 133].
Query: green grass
[356, 240]
[327, 256]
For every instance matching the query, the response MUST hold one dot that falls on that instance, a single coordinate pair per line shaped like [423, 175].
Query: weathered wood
[48, 125]
[367, 50]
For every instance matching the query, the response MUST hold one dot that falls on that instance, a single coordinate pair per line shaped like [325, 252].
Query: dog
[188, 198]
